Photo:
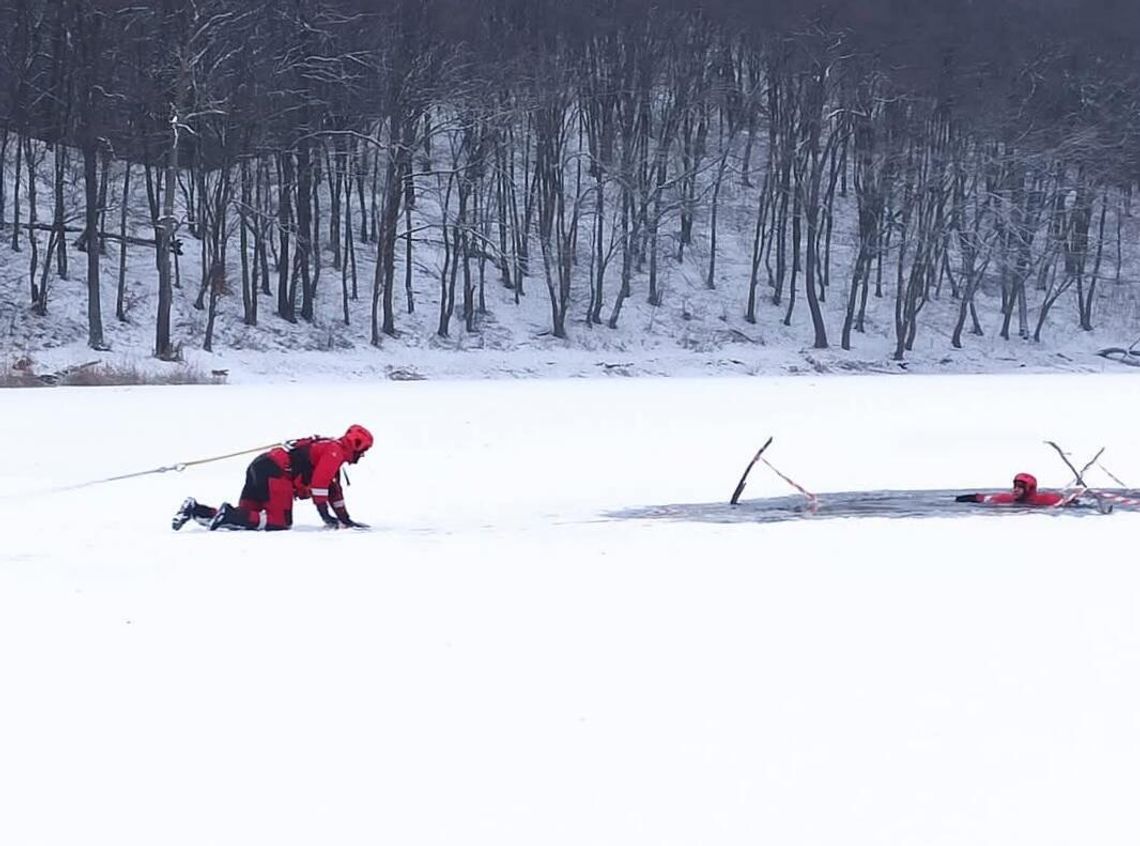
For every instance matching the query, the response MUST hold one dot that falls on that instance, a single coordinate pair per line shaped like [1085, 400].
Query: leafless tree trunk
[91, 239]
[286, 282]
[59, 158]
[120, 306]
[555, 226]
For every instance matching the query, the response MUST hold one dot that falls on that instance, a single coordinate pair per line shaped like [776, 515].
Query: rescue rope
[1118, 498]
[1072, 495]
[177, 468]
[1108, 473]
[813, 500]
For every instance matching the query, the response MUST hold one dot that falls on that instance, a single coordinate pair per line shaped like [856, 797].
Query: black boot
[191, 509]
[229, 517]
[184, 513]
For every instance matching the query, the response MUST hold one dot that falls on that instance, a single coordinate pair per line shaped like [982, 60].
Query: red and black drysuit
[1024, 493]
[301, 469]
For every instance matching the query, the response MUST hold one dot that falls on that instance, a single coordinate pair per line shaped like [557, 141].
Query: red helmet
[1026, 482]
[357, 440]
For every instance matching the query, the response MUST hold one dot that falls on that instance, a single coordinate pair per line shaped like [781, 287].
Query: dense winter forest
[293, 152]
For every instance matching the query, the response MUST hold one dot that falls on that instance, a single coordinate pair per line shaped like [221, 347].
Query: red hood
[1028, 481]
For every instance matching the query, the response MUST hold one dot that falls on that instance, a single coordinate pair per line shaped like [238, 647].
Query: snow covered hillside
[694, 331]
[510, 657]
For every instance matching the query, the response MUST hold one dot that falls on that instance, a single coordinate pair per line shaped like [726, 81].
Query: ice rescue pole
[1079, 474]
[813, 500]
[1078, 486]
[744, 477]
[1100, 496]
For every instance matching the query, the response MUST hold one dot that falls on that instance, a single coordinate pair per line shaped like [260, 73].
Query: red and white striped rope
[1070, 496]
[813, 500]
[1117, 498]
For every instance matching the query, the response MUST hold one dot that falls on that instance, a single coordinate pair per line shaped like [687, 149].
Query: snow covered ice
[503, 660]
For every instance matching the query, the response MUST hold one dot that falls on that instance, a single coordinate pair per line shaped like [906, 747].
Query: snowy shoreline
[398, 362]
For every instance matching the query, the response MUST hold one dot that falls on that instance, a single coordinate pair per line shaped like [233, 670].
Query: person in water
[1024, 492]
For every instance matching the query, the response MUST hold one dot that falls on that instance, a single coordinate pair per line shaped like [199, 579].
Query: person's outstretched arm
[336, 499]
